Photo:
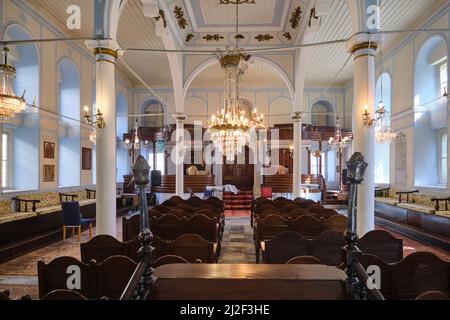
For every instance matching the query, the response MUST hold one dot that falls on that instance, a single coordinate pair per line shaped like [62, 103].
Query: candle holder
[96, 120]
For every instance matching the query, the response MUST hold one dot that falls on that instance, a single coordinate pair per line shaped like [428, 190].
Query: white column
[179, 149]
[364, 136]
[297, 176]
[258, 160]
[106, 56]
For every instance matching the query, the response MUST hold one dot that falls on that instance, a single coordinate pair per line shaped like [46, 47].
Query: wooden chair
[192, 247]
[169, 259]
[54, 276]
[72, 219]
[64, 295]
[307, 226]
[180, 213]
[328, 247]
[101, 248]
[304, 204]
[382, 244]
[112, 276]
[284, 247]
[336, 223]
[305, 260]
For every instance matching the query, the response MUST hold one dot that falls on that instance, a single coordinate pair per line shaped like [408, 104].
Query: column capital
[180, 117]
[104, 50]
[297, 116]
[364, 43]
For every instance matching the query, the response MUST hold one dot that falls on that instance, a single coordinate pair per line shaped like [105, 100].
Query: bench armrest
[25, 202]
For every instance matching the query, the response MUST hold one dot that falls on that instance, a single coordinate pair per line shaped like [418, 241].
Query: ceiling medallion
[237, 1]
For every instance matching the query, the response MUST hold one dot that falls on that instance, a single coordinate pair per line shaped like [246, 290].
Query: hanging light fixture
[136, 142]
[338, 141]
[10, 104]
[229, 128]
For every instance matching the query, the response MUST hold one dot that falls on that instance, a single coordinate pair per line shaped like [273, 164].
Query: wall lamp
[367, 118]
[96, 120]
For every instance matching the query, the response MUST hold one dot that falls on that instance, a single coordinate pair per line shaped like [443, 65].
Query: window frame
[9, 161]
[440, 135]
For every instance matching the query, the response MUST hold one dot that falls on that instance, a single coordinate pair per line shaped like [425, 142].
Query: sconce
[445, 96]
[291, 150]
[97, 120]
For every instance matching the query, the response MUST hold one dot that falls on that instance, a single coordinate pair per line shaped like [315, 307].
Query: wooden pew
[416, 274]
[96, 279]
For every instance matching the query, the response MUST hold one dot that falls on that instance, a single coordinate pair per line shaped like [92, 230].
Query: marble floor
[20, 275]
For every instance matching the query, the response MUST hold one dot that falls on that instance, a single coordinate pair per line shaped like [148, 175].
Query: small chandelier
[229, 128]
[136, 142]
[10, 104]
[338, 142]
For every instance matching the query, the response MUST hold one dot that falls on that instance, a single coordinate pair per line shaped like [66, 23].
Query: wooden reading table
[248, 282]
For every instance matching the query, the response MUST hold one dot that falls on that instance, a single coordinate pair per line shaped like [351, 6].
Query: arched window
[430, 114]
[69, 124]
[322, 114]
[383, 151]
[121, 129]
[20, 136]
[153, 114]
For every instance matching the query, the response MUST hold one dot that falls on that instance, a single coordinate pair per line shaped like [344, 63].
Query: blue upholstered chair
[72, 219]
[208, 194]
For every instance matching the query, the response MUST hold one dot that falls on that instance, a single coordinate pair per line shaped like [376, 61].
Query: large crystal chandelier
[10, 104]
[338, 141]
[229, 129]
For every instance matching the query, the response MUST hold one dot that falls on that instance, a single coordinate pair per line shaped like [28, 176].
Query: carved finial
[141, 171]
[356, 168]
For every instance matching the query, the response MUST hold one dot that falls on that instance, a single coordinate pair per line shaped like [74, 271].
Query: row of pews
[282, 238]
[185, 231]
[301, 217]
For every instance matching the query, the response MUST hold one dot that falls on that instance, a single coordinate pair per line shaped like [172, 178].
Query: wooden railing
[195, 183]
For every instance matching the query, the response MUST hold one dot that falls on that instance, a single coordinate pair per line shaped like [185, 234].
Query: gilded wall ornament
[239, 37]
[213, 37]
[296, 16]
[287, 35]
[162, 16]
[264, 37]
[179, 15]
[189, 37]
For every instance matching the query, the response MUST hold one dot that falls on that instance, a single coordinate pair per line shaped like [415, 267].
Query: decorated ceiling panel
[261, 22]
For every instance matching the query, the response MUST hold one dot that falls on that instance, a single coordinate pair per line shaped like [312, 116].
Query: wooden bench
[197, 184]
[288, 245]
[96, 278]
[416, 274]
[407, 193]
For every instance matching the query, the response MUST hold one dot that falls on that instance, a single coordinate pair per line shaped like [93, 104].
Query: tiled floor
[20, 275]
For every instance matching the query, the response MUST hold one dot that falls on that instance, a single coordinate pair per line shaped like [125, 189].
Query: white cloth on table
[225, 188]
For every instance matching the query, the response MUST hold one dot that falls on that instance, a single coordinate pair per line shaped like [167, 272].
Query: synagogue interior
[224, 150]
